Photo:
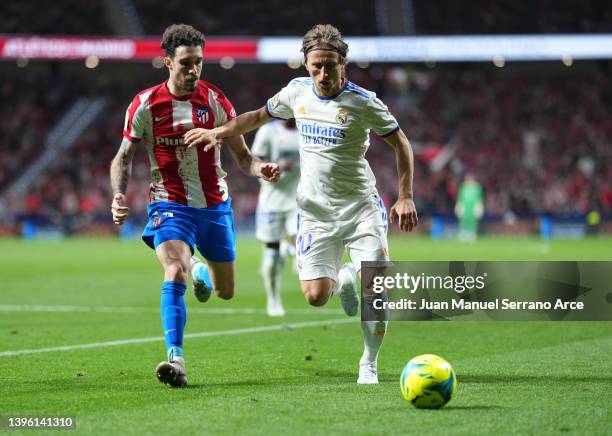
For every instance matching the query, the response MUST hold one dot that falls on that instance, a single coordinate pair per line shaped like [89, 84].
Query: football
[428, 382]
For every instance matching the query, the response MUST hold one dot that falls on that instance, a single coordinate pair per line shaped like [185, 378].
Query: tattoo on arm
[121, 166]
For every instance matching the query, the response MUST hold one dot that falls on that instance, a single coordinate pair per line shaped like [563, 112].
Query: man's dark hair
[324, 34]
[180, 34]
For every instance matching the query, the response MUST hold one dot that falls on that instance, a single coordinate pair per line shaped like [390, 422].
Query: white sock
[278, 278]
[373, 335]
[271, 271]
[287, 248]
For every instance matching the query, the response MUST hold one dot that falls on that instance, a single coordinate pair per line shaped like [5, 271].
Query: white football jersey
[277, 143]
[334, 135]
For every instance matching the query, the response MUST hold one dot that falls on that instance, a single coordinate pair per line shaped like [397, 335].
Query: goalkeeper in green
[469, 208]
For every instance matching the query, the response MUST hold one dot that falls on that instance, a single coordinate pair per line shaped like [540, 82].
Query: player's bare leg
[174, 255]
[223, 275]
[318, 291]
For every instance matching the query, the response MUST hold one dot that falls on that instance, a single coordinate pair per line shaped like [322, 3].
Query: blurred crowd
[536, 142]
[65, 17]
[442, 17]
[290, 17]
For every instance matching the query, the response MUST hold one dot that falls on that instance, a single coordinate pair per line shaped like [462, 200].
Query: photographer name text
[496, 304]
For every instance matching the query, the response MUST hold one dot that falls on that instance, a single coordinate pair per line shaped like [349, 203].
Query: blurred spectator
[65, 17]
[535, 142]
[441, 17]
[265, 18]
[283, 17]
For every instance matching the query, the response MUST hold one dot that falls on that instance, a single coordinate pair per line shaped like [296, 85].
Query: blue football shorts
[210, 229]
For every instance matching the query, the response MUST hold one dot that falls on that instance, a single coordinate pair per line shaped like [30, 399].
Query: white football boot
[349, 299]
[275, 308]
[368, 373]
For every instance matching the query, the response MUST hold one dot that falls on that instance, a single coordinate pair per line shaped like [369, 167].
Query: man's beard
[191, 86]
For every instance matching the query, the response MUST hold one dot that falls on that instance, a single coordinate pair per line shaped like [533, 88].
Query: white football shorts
[320, 244]
[275, 226]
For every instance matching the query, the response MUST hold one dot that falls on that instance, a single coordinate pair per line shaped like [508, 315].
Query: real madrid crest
[341, 116]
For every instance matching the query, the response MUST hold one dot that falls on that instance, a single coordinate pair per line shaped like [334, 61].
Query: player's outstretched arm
[250, 164]
[241, 124]
[120, 171]
[404, 207]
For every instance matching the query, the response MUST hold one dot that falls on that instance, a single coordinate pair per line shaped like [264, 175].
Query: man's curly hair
[180, 34]
[324, 34]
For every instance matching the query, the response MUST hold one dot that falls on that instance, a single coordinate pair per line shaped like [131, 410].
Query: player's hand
[269, 171]
[119, 209]
[405, 210]
[202, 136]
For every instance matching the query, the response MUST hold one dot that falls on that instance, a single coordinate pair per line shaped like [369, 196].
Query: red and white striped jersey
[186, 176]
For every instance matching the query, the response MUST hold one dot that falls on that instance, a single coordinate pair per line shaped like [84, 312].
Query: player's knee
[315, 297]
[175, 270]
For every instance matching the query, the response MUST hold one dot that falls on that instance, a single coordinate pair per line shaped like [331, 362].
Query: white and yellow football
[428, 382]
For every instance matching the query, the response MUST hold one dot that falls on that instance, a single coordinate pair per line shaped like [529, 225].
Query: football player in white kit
[338, 203]
[276, 217]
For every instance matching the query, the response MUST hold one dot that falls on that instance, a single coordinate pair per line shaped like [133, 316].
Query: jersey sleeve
[221, 106]
[261, 143]
[378, 118]
[135, 120]
[281, 105]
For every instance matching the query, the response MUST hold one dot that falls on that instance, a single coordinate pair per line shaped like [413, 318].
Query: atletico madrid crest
[202, 115]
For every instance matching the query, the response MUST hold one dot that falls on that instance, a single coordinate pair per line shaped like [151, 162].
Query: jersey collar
[314, 91]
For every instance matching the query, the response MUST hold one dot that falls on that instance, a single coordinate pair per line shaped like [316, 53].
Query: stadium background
[535, 134]
[79, 306]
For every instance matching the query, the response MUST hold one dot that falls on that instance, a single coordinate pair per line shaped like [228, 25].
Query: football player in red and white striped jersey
[190, 205]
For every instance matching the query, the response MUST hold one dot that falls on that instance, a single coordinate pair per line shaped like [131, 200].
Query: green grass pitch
[291, 376]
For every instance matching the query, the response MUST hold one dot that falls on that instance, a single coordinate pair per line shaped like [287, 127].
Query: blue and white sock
[174, 316]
